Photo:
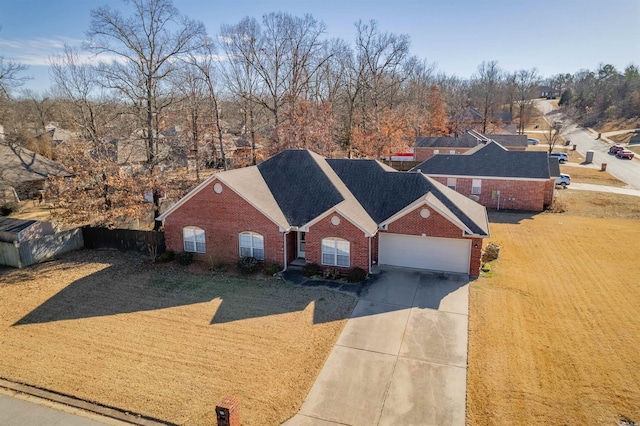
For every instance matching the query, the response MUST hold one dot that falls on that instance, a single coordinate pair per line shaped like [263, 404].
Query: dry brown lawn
[622, 124]
[584, 174]
[163, 341]
[554, 332]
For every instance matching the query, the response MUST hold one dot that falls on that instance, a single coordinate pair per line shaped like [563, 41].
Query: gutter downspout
[284, 239]
[370, 268]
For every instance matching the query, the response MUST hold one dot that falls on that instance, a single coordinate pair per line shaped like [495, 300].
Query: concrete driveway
[401, 358]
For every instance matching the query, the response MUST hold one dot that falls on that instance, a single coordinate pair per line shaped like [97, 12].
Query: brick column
[228, 411]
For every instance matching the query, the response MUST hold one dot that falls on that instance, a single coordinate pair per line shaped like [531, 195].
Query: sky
[554, 36]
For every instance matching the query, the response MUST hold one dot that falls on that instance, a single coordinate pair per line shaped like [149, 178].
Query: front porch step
[298, 262]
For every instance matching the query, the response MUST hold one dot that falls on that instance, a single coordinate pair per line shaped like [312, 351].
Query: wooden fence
[20, 255]
[123, 239]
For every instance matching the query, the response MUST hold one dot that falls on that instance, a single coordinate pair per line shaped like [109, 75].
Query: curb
[103, 410]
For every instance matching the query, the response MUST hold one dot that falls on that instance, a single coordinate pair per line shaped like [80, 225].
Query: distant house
[23, 172]
[427, 147]
[547, 92]
[496, 177]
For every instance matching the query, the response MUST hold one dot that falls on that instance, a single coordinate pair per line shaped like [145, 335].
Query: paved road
[585, 140]
[401, 358]
[21, 410]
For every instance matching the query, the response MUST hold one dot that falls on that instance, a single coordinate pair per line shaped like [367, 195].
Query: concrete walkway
[604, 188]
[401, 358]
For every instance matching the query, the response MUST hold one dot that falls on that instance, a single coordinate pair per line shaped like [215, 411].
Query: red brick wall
[359, 244]
[223, 216]
[436, 226]
[514, 194]
[476, 257]
[422, 154]
[549, 191]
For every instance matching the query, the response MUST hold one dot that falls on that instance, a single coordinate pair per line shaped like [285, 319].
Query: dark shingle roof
[510, 140]
[381, 193]
[554, 167]
[470, 140]
[491, 160]
[299, 186]
[384, 193]
[462, 141]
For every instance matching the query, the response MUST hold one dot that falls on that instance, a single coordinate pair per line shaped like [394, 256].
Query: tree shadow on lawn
[111, 292]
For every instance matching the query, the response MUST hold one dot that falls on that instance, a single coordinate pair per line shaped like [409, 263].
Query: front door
[301, 244]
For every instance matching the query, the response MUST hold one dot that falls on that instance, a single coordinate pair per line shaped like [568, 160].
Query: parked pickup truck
[563, 180]
[625, 154]
[561, 156]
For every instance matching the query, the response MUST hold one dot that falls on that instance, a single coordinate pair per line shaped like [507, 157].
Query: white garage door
[440, 254]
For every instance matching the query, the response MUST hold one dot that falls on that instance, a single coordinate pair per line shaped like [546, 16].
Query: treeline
[602, 94]
[160, 82]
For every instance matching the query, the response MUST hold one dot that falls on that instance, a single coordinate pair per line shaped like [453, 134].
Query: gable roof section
[385, 193]
[471, 139]
[301, 188]
[350, 207]
[490, 160]
[249, 184]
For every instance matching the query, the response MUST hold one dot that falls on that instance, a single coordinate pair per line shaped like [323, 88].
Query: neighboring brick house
[498, 178]
[427, 147]
[342, 213]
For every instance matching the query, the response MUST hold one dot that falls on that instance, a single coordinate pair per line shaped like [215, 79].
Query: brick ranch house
[498, 178]
[340, 213]
[427, 147]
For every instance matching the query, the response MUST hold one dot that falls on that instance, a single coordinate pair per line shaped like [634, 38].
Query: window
[252, 245]
[452, 151]
[451, 183]
[194, 239]
[476, 186]
[436, 151]
[335, 252]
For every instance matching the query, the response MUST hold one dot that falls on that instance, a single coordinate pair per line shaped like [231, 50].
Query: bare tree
[485, 89]
[10, 76]
[204, 60]
[144, 49]
[525, 81]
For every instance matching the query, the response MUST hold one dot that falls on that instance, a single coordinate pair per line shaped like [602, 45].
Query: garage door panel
[442, 254]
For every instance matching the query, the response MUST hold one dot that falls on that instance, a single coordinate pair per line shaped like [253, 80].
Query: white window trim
[436, 151]
[191, 234]
[476, 186]
[452, 183]
[333, 243]
[252, 248]
[452, 151]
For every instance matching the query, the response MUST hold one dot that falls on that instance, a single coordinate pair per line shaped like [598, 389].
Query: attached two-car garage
[440, 254]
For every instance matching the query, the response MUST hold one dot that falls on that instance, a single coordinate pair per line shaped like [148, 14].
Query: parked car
[563, 180]
[625, 153]
[533, 141]
[561, 156]
[614, 149]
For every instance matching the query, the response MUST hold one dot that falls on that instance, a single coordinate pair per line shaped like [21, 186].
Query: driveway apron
[401, 358]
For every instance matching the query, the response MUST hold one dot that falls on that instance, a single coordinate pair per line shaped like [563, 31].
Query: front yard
[159, 340]
[553, 334]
